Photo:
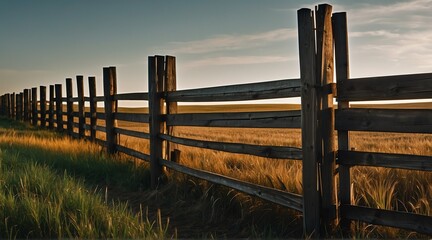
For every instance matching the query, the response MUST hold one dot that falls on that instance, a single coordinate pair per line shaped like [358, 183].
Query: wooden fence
[321, 35]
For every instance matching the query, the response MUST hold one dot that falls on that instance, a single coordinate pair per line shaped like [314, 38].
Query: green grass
[47, 189]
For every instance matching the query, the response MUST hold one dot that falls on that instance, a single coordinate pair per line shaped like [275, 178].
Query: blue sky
[215, 42]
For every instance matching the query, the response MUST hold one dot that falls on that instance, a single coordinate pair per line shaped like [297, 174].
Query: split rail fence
[323, 46]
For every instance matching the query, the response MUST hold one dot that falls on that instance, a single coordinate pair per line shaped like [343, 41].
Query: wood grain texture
[34, 103]
[412, 86]
[133, 153]
[42, 100]
[277, 152]
[81, 118]
[69, 106]
[409, 221]
[131, 96]
[291, 200]
[310, 104]
[59, 107]
[132, 133]
[110, 89]
[51, 107]
[389, 160]
[385, 120]
[252, 91]
[132, 117]
[276, 119]
[93, 107]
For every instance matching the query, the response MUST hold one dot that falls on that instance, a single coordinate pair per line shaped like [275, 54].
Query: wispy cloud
[237, 60]
[233, 42]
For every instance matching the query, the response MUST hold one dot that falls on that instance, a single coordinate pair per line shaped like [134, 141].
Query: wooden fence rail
[319, 32]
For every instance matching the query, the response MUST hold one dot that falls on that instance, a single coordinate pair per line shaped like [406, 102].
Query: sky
[216, 42]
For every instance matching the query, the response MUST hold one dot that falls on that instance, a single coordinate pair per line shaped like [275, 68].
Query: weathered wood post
[310, 105]
[26, 105]
[155, 81]
[325, 72]
[93, 107]
[34, 107]
[340, 33]
[18, 114]
[171, 106]
[69, 107]
[12, 105]
[7, 105]
[110, 89]
[51, 108]
[42, 106]
[81, 118]
[59, 107]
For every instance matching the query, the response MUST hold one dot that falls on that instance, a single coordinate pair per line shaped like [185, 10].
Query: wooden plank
[412, 86]
[252, 91]
[340, 35]
[274, 119]
[131, 96]
[99, 98]
[310, 104]
[34, 103]
[385, 120]
[286, 199]
[325, 72]
[132, 133]
[155, 81]
[290, 200]
[170, 106]
[405, 220]
[69, 106]
[42, 90]
[81, 118]
[132, 117]
[110, 89]
[51, 108]
[59, 107]
[100, 128]
[389, 160]
[277, 152]
[133, 153]
[93, 107]
[26, 105]
[100, 115]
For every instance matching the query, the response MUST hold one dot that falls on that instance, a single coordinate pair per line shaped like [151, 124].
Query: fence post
[155, 81]
[8, 111]
[43, 106]
[310, 109]
[69, 107]
[110, 89]
[26, 105]
[93, 107]
[342, 74]
[12, 105]
[59, 107]
[51, 108]
[17, 103]
[171, 107]
[34, 107]
[81, 118]
[20, 106]
[325, 73]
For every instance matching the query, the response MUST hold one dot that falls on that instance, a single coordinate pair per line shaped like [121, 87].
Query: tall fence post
[59, 107]
[69, 107]
[171, 107]
[12, 105]
[34, 107]
[26, 105]
[340, 33]
[51, 108]
[7, 105]
[110, 89]
[310, 109]
[325, 72]
[81, 118]
[18, 107]
[93, 107]
[42, 106]
[155, 81]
